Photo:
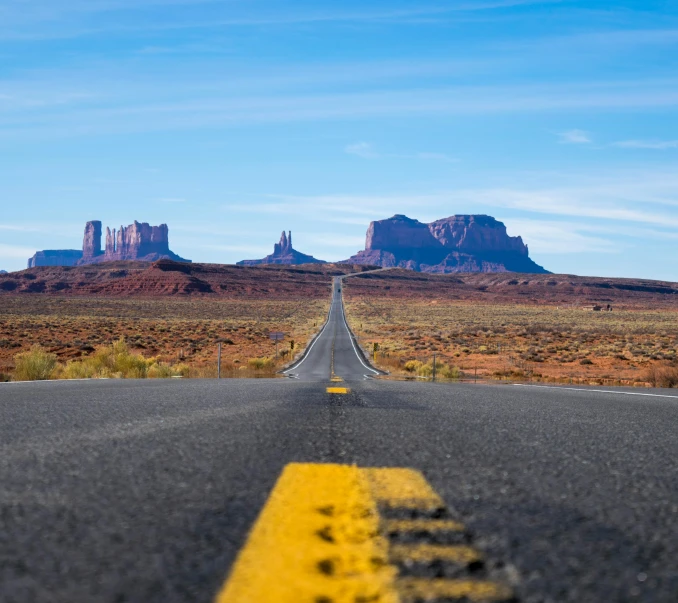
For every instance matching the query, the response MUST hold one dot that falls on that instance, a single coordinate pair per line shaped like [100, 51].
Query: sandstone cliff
[454, 244]
[283, 253]
[139, 241]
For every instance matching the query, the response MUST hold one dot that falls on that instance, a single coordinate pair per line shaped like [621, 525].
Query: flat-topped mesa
[475, 233]
[283, 253]
[465, 243]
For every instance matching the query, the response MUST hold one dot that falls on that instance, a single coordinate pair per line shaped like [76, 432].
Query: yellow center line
[320, 538]
[338, 390]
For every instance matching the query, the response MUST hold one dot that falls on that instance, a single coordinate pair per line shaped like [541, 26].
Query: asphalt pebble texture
[143, 491]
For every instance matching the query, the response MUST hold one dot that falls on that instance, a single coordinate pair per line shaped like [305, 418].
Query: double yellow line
[342, 534]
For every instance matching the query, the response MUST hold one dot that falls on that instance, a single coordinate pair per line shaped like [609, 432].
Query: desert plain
[552, 328]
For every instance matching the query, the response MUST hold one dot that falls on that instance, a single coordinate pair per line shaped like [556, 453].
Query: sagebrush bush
[663, 376]
[260, 364]
[35, 365]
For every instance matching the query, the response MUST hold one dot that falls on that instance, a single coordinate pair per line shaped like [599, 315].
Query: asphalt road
[143, 491]
[334, 352]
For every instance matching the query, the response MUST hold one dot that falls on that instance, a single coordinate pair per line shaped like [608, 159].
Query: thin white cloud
[657, 145]
[574, 137]
[361, 149]
[551, 237]
[132, 115]
[367, 150]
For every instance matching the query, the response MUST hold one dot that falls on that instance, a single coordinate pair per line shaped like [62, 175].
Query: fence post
[434, 367]
[219, 362]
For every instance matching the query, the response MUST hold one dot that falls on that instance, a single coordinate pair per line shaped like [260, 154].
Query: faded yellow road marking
[338, 390]
[403, 488]
[320, 538]
[425, 553]
[420, 589]
[336, 379]
[392, 526]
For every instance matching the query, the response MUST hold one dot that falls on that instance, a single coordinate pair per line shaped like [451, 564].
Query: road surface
[144, 491]
[334, 352]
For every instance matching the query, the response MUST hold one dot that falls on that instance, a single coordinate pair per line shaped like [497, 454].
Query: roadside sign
[277, 336]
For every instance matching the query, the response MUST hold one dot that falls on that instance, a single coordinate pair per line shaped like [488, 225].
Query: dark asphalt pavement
[334, 352]
[143, 491]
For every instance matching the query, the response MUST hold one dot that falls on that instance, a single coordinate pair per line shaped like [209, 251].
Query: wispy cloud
[574, 137]
[551, 237]
[658, 145]
[362, 149]
[131, 115]
[367, 150]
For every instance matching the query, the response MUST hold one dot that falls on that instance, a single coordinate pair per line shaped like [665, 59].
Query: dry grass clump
[108, 362]
[34, 365]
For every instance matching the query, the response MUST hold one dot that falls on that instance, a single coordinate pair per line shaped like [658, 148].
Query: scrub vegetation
[517, 342]
[45, 337]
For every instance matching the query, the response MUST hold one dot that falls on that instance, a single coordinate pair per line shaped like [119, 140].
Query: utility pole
[434, 367]
[219, 362]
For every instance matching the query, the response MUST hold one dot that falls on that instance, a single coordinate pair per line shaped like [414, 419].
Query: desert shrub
[77, 369]
[586, 361]
[260, 364]
[412, 366]
[449, 372]
[159, 370]
[182, 370]
[662, 376]
[35, 365]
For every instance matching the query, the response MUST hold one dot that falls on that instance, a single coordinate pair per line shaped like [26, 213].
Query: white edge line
[350, 336]
[598, 391]
[308, 351]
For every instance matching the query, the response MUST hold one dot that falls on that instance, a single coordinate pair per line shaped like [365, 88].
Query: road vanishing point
[335, 486]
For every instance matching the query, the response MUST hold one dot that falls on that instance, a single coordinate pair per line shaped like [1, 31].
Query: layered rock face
[91, 242]
[283, 253]
[456, 244]
[55, 257]
[139, 241]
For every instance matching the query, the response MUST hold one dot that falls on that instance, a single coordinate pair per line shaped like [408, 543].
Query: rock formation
[455, 244]
[283, 253]
[139, 242]
[91, 243]
[55, 257]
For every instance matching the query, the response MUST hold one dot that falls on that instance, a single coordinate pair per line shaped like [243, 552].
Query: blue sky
[233, 120]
